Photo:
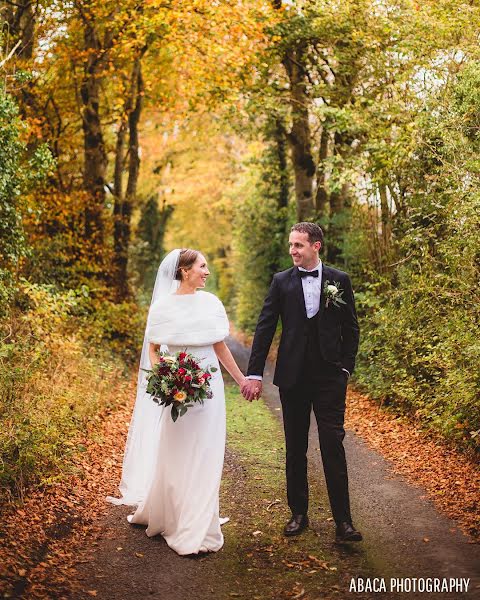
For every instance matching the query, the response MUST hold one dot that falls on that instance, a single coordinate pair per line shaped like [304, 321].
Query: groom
[316, 357]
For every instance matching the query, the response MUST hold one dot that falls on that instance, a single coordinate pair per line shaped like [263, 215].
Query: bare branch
[12, 52]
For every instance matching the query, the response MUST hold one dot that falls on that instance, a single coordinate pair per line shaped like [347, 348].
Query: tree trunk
[300, 135]
[151, 231]
[321, 197]
[277, 136]
[95, 158]
[133, 121]
[118, 194]
[20, 18]
[385, 212]
[27, 27]
[124, 205]
[19, 24]
[339, 200]
[281, 146]
[398, 198]
[119, 162]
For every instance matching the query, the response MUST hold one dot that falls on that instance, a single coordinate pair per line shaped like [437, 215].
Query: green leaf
[174, 413]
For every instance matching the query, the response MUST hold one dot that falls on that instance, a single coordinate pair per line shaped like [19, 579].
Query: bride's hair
[186, 260]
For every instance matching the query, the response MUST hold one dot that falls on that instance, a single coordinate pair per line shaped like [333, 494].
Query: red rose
[181, 371]
[182, 355]
[188, 378]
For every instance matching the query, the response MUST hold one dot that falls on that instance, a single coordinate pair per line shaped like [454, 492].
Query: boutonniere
[333, 293]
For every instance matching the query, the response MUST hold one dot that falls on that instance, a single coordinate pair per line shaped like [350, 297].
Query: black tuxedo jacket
[338, 331]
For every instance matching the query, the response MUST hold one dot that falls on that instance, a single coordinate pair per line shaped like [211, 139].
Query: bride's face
[197, 275]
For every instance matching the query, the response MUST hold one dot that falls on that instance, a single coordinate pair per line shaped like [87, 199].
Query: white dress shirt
[312, 289]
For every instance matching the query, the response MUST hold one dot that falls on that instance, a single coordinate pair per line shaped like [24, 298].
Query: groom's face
[303, 253]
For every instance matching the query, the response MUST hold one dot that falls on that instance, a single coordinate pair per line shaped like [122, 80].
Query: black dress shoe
[346, 532]
[296, 525]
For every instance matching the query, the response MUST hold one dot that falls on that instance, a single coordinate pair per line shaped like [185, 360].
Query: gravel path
[127, 565]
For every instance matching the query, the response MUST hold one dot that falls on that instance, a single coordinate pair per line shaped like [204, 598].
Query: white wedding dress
[180, 495]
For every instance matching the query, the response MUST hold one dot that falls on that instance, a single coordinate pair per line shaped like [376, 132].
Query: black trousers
[324, 391]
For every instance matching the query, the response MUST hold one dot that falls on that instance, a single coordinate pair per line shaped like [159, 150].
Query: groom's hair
[314, 232]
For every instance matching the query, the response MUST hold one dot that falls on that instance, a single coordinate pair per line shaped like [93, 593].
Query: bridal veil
[140, 454]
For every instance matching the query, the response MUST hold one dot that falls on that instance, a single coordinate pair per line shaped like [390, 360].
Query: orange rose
[180, 396]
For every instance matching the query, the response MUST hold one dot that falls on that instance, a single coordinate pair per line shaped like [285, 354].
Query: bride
[172, 470]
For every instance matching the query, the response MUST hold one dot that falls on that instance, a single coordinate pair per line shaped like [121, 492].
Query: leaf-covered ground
[42, 539]
[48, 542]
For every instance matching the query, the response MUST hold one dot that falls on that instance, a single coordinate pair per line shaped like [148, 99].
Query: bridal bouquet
[179, 382]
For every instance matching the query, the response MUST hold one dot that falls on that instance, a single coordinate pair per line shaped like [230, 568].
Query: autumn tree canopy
[130, 128]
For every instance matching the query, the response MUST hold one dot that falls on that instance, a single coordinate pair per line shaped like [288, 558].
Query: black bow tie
[307, 273]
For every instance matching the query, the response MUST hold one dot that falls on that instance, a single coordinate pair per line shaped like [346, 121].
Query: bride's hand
[242, 382]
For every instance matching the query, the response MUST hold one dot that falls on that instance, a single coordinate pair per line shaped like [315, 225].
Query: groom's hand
[251, 389]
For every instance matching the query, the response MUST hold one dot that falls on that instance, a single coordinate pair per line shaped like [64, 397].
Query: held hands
[251, 389]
